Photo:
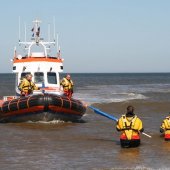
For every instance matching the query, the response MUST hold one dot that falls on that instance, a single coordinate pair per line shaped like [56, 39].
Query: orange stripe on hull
[14, 102]
[41, 108]
[59, 109]
[31, 59]
[28, 110]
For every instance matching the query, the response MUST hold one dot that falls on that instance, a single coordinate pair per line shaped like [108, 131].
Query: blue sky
[95, 35]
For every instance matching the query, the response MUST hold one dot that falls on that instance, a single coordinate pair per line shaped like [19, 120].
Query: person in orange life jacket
[26, 85]
[165, 128]
[67, 85]
[130, 127]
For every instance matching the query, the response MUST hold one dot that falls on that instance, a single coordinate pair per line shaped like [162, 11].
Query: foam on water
[48, 122]
[130, 168]
[110, 93]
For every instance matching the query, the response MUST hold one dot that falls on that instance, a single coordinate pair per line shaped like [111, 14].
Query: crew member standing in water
[130, 127]
[67, 85]
[26, 85]
[165, 128]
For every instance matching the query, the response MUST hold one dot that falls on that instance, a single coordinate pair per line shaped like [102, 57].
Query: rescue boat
[49, 103]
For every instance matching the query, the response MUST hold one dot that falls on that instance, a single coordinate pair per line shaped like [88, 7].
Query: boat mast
[36, 30]
[25, 27]
[57, 43]
[54, 27]
[49, 32]
[19, 28]
[36, 38]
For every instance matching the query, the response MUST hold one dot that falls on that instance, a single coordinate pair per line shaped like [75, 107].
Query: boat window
[24, 74]
[51, 76]
[38, 77]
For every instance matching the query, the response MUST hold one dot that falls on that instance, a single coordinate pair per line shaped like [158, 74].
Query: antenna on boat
[57, 43]
[59, 53]
[54, 27]
[15, 52]
[19, 28]
[36, 38]
[48, 32]
[25, 28]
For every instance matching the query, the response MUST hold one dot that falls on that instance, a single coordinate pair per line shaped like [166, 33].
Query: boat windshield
[38, 77]
[51, 76]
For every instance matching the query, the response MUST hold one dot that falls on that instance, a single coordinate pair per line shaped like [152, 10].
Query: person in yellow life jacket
[67, 85]
[26, 85]
[165, 128]
[130, 127]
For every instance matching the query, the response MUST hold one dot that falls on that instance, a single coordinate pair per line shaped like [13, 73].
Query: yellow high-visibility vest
[166, 125]
[27, 86]
[67, 84]
[129, 126]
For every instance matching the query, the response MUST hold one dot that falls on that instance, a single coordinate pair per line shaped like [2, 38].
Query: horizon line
[102, 73]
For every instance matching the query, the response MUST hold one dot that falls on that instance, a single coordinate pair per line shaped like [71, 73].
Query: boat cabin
[44, 68]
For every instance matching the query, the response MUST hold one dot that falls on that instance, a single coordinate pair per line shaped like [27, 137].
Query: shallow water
[94, 144]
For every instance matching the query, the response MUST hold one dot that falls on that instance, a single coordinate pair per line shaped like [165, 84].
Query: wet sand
[93, 145]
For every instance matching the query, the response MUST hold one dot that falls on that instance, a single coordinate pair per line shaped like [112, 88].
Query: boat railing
[37, 40]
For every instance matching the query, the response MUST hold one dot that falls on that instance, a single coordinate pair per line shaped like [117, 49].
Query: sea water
[93, 144]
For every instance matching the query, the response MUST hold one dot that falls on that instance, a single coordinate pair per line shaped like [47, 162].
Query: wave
[48, 122]
[119, 93]
[91, 98]
[140, 88]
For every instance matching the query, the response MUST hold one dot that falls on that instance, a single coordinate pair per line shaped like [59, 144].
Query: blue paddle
[103, 113]
[98, 111]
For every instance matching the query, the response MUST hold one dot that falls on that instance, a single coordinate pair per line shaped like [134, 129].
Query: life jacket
[67, 84]
[27, 86]
[130, 127]
[166, 126]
